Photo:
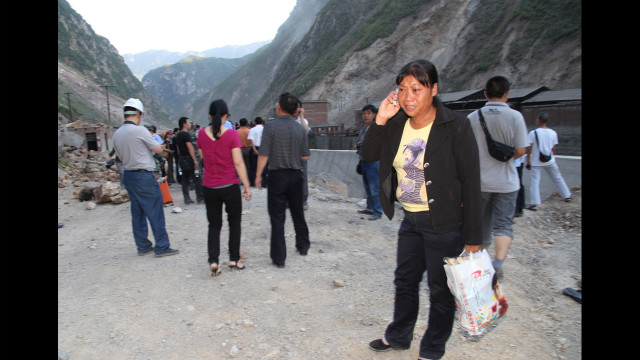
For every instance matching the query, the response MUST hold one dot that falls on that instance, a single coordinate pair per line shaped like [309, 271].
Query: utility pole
[108, 111]
[69, 102]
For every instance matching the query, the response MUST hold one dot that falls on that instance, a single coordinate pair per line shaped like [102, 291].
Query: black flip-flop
[574, 294]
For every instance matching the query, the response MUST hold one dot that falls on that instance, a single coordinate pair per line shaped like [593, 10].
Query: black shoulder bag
[497, 150]
[543, 157]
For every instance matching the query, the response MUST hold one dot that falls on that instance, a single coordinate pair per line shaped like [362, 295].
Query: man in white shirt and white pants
[546, 142]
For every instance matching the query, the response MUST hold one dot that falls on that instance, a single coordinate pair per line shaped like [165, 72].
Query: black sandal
[574, 294]
[236, 265]
[215, 271]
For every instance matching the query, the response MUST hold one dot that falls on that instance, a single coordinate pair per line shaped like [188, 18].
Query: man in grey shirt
[499, 181]
[135, 147]
[284, 145]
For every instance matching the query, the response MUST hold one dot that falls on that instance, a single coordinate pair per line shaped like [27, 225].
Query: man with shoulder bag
[543, 141]
[501, 135]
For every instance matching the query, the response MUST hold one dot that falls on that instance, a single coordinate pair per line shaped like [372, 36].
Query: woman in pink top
[219, 148]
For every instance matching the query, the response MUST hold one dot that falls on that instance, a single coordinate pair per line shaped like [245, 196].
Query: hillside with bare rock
[352, 52]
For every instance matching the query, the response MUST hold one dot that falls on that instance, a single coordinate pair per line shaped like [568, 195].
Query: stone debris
[106, 191]
[87, 171]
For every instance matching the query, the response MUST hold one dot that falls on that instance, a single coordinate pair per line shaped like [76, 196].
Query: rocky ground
[113, 304]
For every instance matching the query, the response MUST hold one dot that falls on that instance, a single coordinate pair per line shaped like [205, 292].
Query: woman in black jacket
[429, 163]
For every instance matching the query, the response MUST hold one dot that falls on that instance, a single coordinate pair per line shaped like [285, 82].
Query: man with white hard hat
[135, 147]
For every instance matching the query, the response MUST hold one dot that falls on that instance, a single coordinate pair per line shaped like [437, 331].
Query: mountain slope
[141, 63]
[353, 49]
[178, 85]
[243, 88]
[92, 58]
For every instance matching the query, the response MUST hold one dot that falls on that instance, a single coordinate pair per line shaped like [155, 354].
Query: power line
[108, 110]
[69, 103]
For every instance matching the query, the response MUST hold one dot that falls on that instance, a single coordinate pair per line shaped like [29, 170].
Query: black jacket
[451, 170]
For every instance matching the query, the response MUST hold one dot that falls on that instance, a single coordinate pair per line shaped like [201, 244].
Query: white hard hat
[134, 103]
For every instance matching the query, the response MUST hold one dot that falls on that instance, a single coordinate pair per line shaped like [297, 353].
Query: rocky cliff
[352, 50]
[246, 86]
[87, 63]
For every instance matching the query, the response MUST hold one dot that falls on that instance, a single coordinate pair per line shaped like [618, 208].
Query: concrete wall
[341, 164]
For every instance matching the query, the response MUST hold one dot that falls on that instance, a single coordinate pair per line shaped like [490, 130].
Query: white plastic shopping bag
[479, 300]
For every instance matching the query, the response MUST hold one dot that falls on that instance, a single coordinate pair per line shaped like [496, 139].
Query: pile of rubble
[87, 170]
[79, 123]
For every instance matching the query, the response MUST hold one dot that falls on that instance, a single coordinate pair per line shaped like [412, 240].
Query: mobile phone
[395, 98]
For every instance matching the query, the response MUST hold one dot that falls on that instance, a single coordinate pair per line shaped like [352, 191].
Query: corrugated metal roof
[556, 95]
[524, 92]
[458, 95]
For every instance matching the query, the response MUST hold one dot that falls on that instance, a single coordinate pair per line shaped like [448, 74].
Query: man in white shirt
[255, 138]
[545, 143]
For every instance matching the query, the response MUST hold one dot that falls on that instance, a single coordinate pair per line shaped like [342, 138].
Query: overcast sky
[135, 26]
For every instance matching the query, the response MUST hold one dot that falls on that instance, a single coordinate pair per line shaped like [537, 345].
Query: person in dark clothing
[188, 162]
[284, 146]
[429, 163]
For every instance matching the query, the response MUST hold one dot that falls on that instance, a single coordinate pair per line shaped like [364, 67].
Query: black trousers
[420, 249]
[231, 198]
[247, 156]
[520, 199]
[285, 186]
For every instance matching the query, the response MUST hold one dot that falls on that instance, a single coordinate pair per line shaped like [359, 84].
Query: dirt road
[113, 304]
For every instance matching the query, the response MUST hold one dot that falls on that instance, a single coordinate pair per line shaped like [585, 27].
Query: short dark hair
[258, 120]
[543, 117]
[181, 121]
[370, 107]
[423, 70]
[243, 122]
[289, 103]
[497, 86]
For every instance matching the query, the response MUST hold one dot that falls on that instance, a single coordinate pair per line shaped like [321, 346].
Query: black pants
[520, 199]
[189, 177]
[285, 186]
[247, 156]
[420, 249]
[231, 197]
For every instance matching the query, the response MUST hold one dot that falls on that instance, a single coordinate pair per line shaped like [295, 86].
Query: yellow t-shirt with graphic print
[409, 165]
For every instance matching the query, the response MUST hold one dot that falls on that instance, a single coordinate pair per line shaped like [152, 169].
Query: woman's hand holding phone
[388, 108]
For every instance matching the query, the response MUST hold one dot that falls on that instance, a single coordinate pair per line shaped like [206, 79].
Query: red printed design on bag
[476, 274]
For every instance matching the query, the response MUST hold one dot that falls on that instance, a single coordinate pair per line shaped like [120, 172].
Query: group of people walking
[281, 147]
[435, 162]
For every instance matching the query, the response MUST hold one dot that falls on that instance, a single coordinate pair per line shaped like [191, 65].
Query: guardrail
[341, 164]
